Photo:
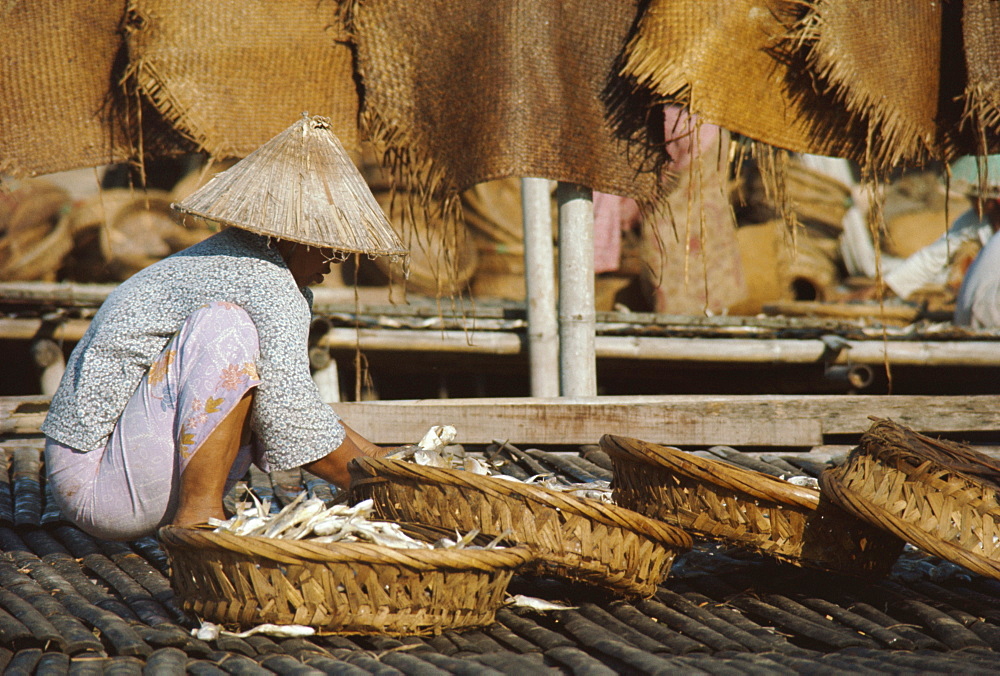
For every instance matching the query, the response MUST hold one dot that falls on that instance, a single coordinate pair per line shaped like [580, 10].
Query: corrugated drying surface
[70, 603]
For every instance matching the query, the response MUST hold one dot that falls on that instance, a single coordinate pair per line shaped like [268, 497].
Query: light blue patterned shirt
[138, 318]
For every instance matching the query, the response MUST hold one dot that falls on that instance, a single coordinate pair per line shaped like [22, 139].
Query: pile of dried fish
[436, 450]
[309, 517]
[594, 490]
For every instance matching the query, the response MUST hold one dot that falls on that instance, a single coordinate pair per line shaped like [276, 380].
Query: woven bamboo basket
[577, 539]
[942, 496]
[719, 501]
[343, 588]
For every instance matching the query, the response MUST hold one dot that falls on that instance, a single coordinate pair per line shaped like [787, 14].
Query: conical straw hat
[299, 186]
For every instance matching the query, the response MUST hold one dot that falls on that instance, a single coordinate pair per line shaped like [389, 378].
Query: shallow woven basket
[574, 538]
[940, 495]
[719, 501]
[339, 587]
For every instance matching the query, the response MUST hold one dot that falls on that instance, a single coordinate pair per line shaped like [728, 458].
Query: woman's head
[308, 264]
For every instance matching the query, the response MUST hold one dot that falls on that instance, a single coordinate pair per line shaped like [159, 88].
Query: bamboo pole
[967, 353]
[539, 279]
[91, 295]
[577, 358]
[708, 350]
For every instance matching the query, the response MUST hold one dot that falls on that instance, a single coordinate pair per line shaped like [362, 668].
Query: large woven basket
[337, 588]
[578, 539]
[719, 501]
[942, 496]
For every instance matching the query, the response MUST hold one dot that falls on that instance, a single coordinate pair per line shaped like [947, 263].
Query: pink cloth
[613, 215]
[692, 257]
[130, 488]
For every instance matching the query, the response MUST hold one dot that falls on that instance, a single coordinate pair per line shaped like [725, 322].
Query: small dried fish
[476, 466]
[429, 458]
[592, 490]
[806, 481]
[522, 601]
[209, 631]
[459, 543]
[433, 451]
[437, 438]
[294, 513]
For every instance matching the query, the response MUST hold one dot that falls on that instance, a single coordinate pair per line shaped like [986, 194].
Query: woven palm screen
[465, 91]
[980, 28]
[231, 74]
[729, 60]
[883, 57]
[882, 82]
[63, 103]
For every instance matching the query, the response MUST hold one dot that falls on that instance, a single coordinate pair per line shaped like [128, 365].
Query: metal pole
[577, 361]
[540, 287]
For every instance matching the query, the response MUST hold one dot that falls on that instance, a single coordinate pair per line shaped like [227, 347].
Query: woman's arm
[332, 467]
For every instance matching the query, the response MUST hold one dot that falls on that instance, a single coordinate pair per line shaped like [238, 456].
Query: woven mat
[884, 56]
[880, 82]
[719, 57]
[476, 91]
[233, 74]
[980, 27]
[61, 104]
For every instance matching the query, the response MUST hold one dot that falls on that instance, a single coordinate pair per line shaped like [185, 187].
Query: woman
[197, 365]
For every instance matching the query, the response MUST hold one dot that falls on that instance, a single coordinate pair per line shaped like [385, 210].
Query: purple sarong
[130, 487]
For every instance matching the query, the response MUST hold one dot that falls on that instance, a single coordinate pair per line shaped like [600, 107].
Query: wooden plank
[556, 421]
[683, 420]
[22, 415]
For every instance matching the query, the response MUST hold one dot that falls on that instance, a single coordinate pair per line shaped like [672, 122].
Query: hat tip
[315, 121]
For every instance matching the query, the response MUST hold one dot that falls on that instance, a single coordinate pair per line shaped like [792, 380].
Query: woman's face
[308, 264]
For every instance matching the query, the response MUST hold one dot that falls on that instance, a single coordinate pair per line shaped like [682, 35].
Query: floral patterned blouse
[137, 320]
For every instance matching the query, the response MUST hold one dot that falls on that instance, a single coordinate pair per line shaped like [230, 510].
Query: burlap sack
[443, 254]
[478, 90]
[811, 195]
[761, 247]
[232, 74]
[918, 211]
[33, 236]
[778, 266]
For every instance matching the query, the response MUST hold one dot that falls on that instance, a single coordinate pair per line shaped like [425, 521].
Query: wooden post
[577, 360]
[49, 358]
[540, 288]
